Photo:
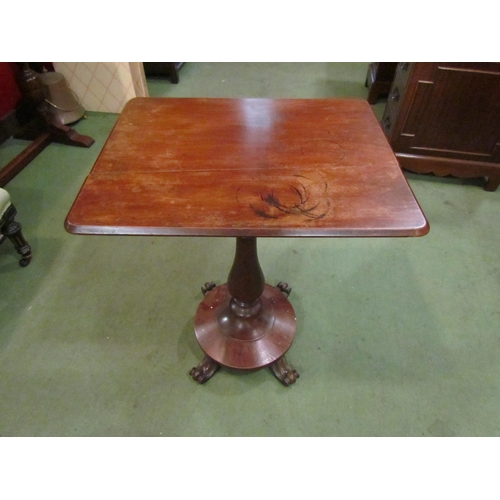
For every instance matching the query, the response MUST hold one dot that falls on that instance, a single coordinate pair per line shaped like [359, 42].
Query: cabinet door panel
[460, 117]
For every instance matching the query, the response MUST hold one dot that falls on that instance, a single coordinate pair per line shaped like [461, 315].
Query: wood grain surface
[247, 167]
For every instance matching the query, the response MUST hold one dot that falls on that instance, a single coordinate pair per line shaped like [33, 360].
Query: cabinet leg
[492, 183]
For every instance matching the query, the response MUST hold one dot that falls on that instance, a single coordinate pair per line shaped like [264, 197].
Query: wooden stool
[11, 229]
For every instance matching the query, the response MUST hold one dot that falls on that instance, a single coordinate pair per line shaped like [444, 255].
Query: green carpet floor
[396, 337]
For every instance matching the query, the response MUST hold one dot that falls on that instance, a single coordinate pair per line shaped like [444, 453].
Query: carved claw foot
[205, 370]
[209, 285]
[283, 287]
[284, 372]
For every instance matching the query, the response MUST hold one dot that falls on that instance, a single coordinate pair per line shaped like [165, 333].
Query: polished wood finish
[443, 118]
[246, 168]
[246, 280]
[260, 338]
[245, 324]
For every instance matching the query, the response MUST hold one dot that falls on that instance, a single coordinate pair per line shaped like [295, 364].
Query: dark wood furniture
[35, 123]
[379, 80]
[168, 69]
[246, 168]
[444, 118]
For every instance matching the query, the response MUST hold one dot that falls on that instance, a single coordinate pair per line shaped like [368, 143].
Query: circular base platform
[245, 343]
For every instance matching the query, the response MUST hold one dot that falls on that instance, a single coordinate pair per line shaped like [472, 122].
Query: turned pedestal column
[245, 324]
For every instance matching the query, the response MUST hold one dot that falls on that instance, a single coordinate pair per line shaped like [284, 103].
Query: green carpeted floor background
[396, 337]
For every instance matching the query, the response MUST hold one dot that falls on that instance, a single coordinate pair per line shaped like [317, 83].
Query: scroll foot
[209, 285]
[284, 372]
[283, 287]
[66, 135]
[205, 370]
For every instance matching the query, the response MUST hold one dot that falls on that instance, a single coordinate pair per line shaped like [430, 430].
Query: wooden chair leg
[12, 230]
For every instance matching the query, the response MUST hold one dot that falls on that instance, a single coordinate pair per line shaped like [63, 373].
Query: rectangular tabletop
[247, 167]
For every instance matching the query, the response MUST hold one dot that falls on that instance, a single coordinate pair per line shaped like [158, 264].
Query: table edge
[93, 230]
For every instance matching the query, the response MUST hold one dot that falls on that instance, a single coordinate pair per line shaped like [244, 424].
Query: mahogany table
[246, 168]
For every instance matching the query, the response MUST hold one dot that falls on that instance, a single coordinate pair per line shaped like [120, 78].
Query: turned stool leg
[12, 230]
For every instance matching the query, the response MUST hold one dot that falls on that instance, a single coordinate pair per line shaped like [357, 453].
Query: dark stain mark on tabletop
[291, 197]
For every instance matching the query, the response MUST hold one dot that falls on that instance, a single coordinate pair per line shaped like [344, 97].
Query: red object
[9, 91]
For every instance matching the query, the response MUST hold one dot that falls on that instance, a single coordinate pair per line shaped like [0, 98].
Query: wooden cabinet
[444, 118]
[168, 69]
[379, 79]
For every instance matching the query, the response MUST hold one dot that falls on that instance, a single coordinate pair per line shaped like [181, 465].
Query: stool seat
[4, 201]
[11, 229]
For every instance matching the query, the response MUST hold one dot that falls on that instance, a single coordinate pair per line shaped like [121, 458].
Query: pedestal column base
[233, 340]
